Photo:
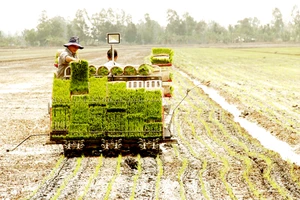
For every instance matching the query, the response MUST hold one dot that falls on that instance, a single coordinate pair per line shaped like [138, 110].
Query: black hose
[7, 150]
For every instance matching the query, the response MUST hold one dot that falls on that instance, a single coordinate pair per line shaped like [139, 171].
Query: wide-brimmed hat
[74, 41]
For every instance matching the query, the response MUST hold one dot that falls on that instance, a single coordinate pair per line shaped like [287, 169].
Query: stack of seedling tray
[163, 57]
[93, 108]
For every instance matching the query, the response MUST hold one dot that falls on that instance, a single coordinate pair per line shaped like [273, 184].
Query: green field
[262, 82]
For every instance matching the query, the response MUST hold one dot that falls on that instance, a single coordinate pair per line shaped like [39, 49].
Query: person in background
[110, 63]
[68, 55]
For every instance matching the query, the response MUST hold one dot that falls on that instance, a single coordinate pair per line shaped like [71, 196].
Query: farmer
[110, 63]
[68, 55]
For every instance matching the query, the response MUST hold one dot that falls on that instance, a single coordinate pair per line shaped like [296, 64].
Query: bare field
[215, 157]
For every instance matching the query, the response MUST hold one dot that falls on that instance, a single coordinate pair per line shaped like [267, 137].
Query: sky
[17, 15]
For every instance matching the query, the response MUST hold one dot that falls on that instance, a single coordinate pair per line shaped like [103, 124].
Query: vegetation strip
[273, 183]
[180, 177]
[191, 125]
[136, 177]
[223, 173]
[159, 175]
[266, 159]
[295, 177]
[67, 179]
[92, 177]
[225, 162]
[203, 189]
[58, 163]
[117, 173]
[204, 161]
[202, 182]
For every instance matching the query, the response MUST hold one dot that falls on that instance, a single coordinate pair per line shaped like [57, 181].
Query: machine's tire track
[169, 186]
[192, 184]
[99, 185]
[214, 186]
[191, 181]
[127, 173]
[186, 114]
[146, 186]
[76, 185]
[279, 172]
[50, 187]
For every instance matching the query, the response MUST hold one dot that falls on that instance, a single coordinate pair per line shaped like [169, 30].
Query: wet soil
[215, 158]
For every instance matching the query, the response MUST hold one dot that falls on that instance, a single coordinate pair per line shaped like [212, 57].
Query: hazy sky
[17, 15]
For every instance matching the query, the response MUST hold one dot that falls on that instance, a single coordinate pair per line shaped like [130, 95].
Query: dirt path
[214, 159]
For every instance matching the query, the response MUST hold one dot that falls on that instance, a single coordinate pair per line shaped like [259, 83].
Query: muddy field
[215, 157]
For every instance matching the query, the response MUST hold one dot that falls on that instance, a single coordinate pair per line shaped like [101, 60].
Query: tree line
[92, 29]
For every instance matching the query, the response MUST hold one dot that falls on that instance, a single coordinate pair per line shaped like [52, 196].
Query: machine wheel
[73, 148]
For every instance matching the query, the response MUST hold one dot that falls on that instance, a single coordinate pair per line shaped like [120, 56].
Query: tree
[80, 26]
[130, 33]
[149, 32]
[30, 37]
[188, 25]
[266, 33]
[3, 42]
[247, 29]
[200, 31]
[97, 22]
[108, 21]
[43, 29]
[179, 30]
[58, 32]
[173, 26]
[51, 32]
[277, 23]
[216, 33]
[296, 23]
